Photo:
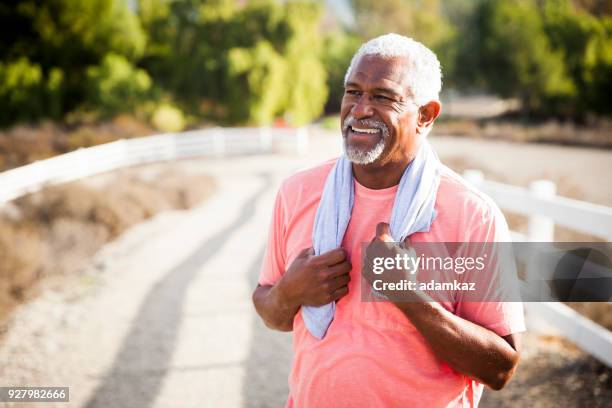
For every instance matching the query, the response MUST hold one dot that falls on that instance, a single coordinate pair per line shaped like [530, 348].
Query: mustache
[367, 123]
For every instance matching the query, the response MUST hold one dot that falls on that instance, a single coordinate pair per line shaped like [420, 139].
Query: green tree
[598, 70]
[338, 50]
[305, 81]
[425, 21]
[585, 42]
[116, 86]
[516, 58]
[60, 39]
[237, 63]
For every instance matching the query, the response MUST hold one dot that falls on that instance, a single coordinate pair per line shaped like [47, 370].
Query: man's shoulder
[308, 180]
[458, 195]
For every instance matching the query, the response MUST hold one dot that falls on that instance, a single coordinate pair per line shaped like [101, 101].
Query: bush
[281, 74]
[256, 83]
[116, 85]
[250, 63]
[168, 118]
[551, 54]
[598, 71]
[47, 47]
[585, 41]
[337, 53]
[425, 21]
[517, 59]
[25, 92]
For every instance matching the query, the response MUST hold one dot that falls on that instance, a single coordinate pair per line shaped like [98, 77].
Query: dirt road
[163, 316]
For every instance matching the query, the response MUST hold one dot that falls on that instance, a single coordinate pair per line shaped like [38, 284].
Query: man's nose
[362, 108]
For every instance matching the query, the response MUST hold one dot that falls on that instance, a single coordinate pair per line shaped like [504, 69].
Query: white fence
[128, 152]
[538, 202]
[545, 210]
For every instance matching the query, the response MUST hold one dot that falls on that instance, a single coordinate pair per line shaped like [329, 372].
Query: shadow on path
[140, 366]
[269, 362]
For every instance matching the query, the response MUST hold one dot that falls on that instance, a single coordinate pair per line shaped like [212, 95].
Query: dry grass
[23, 144]
[596, 134]
[597, 311]
[57, 231]
[21, 253]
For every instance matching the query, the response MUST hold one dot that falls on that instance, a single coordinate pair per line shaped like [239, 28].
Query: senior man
[388, 186]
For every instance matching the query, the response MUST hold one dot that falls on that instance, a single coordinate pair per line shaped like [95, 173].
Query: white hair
[423, 70]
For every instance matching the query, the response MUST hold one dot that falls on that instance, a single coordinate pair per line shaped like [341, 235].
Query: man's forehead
[389, 72]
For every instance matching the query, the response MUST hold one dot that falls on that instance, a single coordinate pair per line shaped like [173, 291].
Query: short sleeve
[498, 307]
[273, 264]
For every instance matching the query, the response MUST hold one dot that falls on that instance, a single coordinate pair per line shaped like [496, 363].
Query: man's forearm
[467, 347]
[276, 313]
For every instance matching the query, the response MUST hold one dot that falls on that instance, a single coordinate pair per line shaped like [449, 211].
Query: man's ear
[428, 113]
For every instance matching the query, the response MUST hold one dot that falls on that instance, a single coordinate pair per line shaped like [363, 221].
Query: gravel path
[163, 316]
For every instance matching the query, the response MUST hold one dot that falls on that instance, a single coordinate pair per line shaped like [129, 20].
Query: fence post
[540, 227]
[302, 141]
[40, 177]
[265, 139]
[474, 177]
[81, 167]
[123, 147]
[218, 142]
[169, 147]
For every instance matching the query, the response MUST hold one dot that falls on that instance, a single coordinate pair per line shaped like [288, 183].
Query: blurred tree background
[254, 62]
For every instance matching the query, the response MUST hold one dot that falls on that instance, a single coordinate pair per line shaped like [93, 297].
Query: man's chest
[365, 216]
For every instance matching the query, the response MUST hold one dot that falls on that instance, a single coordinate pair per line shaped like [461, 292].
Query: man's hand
[315, 280]
[467, 347]
[383, 247]
[310, 280]
[383, 232]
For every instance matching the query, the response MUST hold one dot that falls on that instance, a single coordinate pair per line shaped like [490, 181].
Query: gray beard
[359, 157]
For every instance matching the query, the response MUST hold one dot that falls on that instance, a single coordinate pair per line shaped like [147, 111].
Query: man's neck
[387, 171]
[378, 176]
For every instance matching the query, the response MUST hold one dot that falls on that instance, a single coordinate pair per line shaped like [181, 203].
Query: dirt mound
[57, 230]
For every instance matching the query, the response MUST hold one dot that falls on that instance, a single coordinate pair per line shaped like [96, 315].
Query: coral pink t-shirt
[372, 356]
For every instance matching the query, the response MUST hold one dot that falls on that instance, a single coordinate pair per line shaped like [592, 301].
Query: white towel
[413, 211]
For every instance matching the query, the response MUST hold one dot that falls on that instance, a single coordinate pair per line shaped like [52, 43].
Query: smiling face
[379, 118]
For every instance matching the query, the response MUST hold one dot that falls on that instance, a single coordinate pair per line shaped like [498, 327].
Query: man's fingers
[339, 269]
[305, 252]
[338, 293]
[408, 242]
[383, 232]
[342, 280]
[332, 257]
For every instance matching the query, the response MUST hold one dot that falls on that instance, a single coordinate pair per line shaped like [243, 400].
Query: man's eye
[352, 92]
[383, 98]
